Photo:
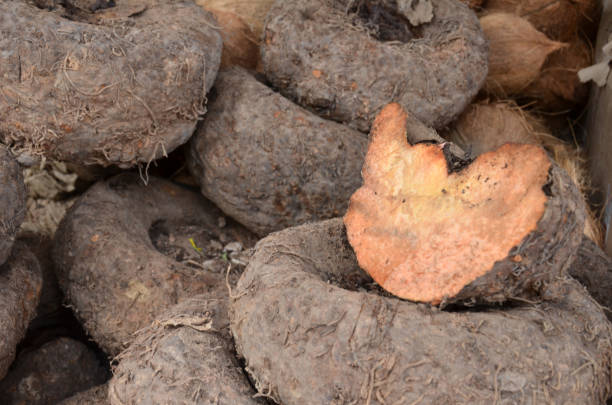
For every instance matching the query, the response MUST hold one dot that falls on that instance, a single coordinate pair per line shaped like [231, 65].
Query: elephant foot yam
[12, 201]
[120, 86]
[347, 59]
[267, 162]
[500, 227]
[52, 372]
[20, 290]
[126, 251]
[312, 331]
[593, 269]
[194, 360]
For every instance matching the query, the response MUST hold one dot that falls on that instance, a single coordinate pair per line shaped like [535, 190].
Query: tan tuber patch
[424, 234]
[240, 45]
[252, 12]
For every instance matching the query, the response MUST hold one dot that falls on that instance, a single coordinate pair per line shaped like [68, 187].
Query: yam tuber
[501, 227]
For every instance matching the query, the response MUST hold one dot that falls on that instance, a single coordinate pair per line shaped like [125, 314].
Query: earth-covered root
[431, 227]
[124, 85]
[93, 396]
[313, 330]
[120, 263]
[347, 59]
[269, 163]
[52, 372]
[12, 201]
[20, 288]
[593, 268]
[185, 356]
[50, 305]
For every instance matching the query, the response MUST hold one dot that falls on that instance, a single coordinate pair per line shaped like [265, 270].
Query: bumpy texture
[20, 288]
[503, 226]
[269, 163]
[52, 372]
[347, 59]
[94, 396]
[12, 201]
[311, 335]
[113, 275]
[193, 361]
[593, 268]
[121, 86]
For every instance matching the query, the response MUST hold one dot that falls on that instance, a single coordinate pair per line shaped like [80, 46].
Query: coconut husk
[516, 55]
[560, 20]
[486, 126]
[252, 12]
[558, 87]
[240, 45]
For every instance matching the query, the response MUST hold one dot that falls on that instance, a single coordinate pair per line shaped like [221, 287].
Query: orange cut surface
[423, 234]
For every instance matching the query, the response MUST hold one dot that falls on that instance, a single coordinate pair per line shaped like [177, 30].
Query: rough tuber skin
[267, 162]
[347, 59]
[194, 361]
[501, 227]
[593, 268]
[110, 271]
[20, 289]
[313, 330]
[124, 85]
[12, 201]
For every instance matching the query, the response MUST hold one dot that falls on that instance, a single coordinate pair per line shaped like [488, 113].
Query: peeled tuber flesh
[501, 227]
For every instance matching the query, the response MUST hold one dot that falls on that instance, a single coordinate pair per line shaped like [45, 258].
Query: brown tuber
[313, 330]
[12, 201]
[502, 227]
[121, 86]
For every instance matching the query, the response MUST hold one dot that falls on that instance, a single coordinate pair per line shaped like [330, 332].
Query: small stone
[233, 247]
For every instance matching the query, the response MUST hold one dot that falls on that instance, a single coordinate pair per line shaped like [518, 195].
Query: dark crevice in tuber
[85, 5]
[385, 24]
[547, 188]
[455, 163]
